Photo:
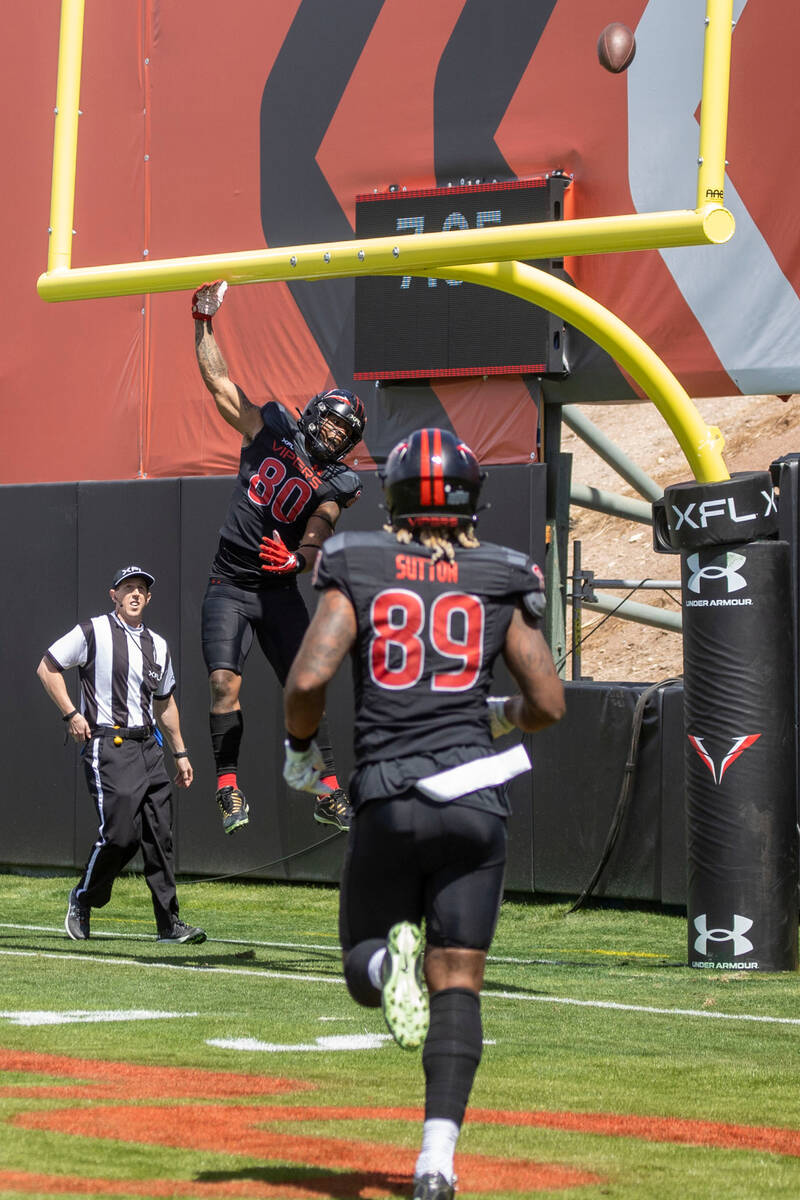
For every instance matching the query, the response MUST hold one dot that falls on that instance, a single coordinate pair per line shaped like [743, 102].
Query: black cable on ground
[276, 862]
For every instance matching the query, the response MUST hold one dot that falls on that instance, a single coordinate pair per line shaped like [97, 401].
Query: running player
[290, 489]
[426, 610]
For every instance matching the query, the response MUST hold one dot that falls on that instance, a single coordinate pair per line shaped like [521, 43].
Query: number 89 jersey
[428, 635]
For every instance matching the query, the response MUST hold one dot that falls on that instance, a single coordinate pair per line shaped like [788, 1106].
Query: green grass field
[241, 1068]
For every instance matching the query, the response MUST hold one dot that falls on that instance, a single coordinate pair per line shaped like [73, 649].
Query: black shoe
[234, 808]
[76, 922]
[433, 1186]
[179, 931]
[334, 809]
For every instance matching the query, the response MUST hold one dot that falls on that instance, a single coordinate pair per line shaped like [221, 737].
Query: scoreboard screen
[412, 327]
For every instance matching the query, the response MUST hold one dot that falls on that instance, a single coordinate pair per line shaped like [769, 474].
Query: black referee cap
[127, 572]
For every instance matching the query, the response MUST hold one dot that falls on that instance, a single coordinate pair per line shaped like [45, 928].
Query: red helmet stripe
[437, 470]
[424, 469]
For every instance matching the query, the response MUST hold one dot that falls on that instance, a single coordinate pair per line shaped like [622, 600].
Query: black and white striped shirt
[121, 669]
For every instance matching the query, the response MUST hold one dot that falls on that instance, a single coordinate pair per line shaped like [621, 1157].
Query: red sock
[226, 780]
[331, 781]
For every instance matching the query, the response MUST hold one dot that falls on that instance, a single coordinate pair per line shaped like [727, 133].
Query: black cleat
[334, 809]
[77, 919]
[433, 1186]
[234, 808]
[179, 931]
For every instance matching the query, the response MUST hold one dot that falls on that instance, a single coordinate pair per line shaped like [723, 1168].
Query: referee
[126, 680]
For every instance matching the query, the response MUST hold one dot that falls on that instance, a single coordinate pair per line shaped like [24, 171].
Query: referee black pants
[133, 797]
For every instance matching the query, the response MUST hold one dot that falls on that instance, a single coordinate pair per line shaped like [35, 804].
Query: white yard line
[488, 994]
[197, 970]
[151, 937]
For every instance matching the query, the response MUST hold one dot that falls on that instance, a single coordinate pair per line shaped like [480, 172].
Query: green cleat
[403, 998]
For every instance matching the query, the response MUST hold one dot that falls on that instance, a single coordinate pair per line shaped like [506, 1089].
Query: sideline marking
[77, 1016]
[644, 1008]
[356, 1041]
[334, 946]
[341, 1041]
[488, 994]
[197, 968]
[150, 937]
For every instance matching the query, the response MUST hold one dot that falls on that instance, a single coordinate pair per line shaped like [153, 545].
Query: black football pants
[278, 618]
[133, 797]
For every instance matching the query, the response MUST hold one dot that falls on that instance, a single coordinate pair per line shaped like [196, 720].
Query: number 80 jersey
[428, 635]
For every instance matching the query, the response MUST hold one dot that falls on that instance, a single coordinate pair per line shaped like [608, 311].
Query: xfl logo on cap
[741, 944]
[724, 566]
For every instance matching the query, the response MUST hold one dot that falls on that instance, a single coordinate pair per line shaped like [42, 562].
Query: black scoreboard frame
[412, 327]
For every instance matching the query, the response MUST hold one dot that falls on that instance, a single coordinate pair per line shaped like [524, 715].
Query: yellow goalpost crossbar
[488, 256]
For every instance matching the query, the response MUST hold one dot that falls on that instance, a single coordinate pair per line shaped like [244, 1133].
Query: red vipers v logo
[738, 746]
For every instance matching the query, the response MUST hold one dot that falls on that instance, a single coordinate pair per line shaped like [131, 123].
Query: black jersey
[428, 635]
[278, 488]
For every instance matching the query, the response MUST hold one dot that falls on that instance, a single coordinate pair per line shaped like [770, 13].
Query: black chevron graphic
[480, 70]
[485, 59]
[488, 52]
[299, 100]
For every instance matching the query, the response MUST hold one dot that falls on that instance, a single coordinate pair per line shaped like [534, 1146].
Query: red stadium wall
[215, 127]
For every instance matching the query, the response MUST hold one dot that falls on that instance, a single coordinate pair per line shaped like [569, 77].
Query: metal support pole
[624, 507]
[559, 469]
[577, 596]
[642, 614]
[606, 449]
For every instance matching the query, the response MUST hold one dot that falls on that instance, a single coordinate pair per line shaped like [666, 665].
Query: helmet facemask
[332, 424]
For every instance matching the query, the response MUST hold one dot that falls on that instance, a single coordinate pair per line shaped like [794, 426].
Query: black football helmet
[338, 402]
[433, 479]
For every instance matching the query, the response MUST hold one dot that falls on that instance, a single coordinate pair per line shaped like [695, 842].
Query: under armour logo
[738, 746]
[741, 944]
[724, 566]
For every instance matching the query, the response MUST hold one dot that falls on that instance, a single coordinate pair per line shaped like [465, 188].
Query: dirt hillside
[757, 430]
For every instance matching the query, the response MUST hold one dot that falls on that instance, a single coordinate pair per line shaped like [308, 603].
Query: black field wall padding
[742, 869]
[561, 811]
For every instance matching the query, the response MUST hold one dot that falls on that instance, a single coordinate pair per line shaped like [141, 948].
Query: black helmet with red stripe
[432, 478]
[349, 415]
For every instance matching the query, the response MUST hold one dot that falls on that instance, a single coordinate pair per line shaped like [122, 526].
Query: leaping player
[290, 490]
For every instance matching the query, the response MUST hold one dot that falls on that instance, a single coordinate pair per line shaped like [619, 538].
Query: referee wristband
[70, 715]
[180, 754]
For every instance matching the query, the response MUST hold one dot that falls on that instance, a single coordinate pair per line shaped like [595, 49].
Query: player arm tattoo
[327, 641]
[232, 403]
[528, 657]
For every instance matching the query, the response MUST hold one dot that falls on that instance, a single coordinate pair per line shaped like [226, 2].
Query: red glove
[207, 299]
[276, 559]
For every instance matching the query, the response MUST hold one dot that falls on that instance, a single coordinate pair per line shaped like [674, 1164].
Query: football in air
[616, 47]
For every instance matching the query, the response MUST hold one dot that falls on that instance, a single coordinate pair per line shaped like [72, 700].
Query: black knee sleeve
[451, 1052]
[226, 738]
[355, 973]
